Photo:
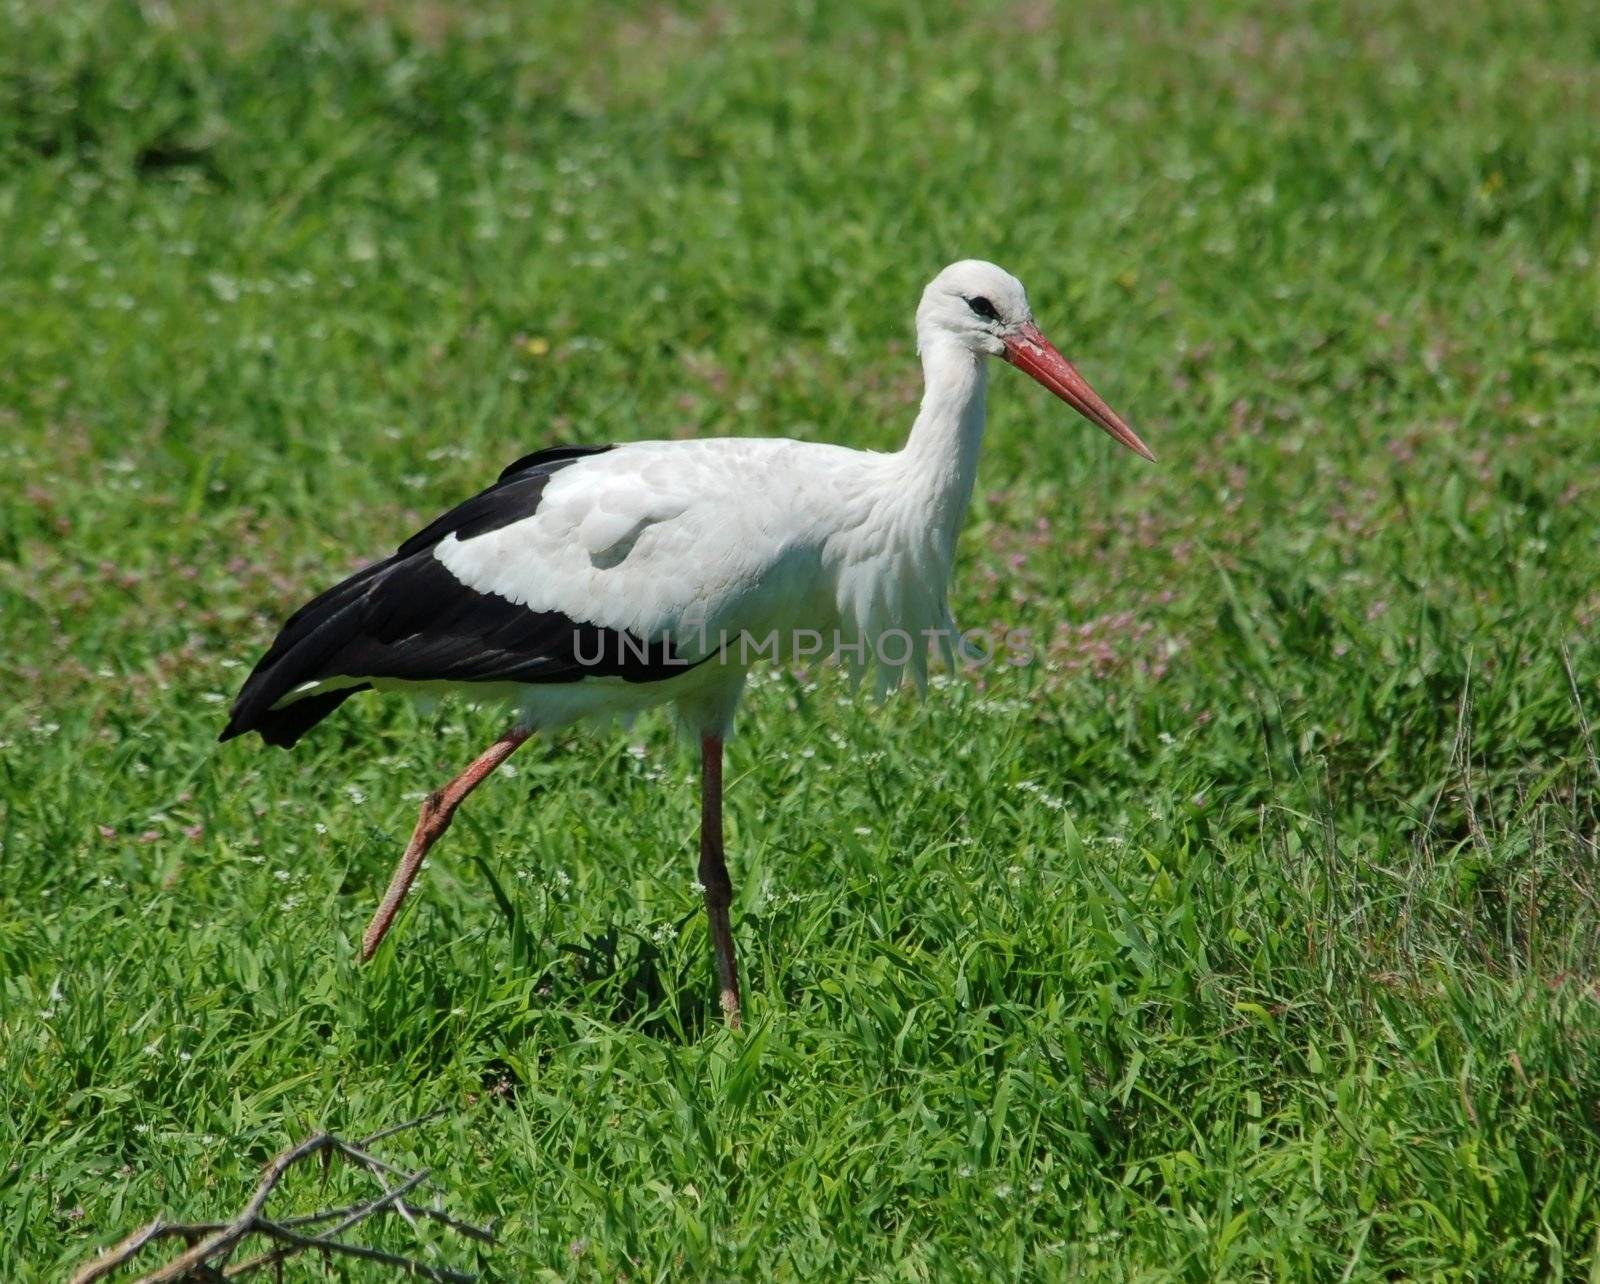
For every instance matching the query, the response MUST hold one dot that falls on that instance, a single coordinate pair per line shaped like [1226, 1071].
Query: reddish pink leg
[437, 810]
[714, 876]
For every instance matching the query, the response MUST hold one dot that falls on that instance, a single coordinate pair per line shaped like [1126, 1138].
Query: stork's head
[984, 309]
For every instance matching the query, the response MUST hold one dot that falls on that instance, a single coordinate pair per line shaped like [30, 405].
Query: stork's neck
[940, 461]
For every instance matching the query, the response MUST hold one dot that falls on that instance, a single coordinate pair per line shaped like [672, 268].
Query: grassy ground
[1251, 932]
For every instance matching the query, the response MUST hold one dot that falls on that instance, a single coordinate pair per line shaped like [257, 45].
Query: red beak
[1030, 351]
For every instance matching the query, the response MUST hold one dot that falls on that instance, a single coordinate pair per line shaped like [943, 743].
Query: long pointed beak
[1030, 351]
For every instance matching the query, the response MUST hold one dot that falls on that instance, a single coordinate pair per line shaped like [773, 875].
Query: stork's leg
[714, 876]
[437, 810]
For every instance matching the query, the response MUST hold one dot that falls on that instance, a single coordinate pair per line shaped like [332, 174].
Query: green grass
[1253, 932]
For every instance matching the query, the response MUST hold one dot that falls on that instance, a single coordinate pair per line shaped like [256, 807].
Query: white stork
[597, 581]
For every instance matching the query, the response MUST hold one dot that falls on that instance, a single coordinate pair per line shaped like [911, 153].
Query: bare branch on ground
[211, 1245]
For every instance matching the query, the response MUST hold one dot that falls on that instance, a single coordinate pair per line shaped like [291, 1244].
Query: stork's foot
[717, 898]
[428, 829]
[438, 809]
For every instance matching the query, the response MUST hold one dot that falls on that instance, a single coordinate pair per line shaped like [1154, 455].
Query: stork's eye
[983, 308]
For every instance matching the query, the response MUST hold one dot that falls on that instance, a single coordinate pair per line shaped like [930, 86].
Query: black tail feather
[408, 618]
[298, 654]
[282, 727]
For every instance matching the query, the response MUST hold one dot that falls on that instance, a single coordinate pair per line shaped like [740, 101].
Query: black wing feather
[408, 618]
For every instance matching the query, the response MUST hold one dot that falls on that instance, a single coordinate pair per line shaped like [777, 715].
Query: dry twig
[212, 1244]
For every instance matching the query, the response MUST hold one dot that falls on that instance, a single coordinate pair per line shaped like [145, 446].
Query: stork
[597, 581]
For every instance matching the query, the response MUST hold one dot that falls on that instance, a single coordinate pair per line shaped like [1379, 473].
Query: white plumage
[546, 590]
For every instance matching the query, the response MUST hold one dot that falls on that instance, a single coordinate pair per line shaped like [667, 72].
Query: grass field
[1251, 932]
